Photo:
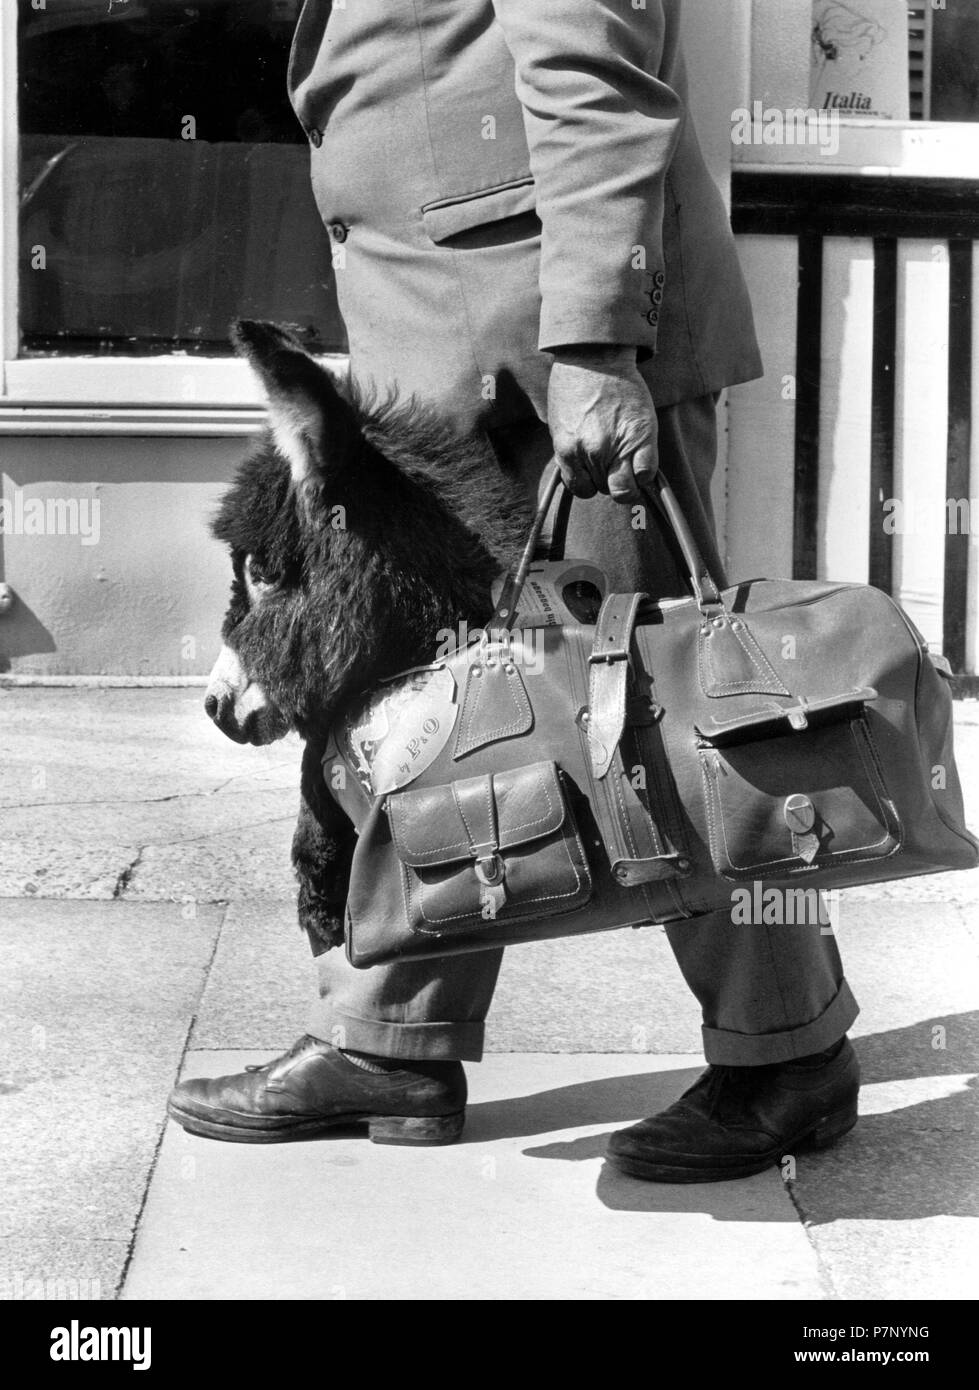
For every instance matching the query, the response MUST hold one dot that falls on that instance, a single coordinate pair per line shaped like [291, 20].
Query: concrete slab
[908, 962]
[45, 869]
[236, 864]
[60, 745]
[108, 793]
[95, 1003]
[174, 820]
[261, 982]
[523, 1208]
[894, 1211]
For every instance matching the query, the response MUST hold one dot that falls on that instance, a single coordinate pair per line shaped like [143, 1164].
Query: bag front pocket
[496, 847]
[797, 802]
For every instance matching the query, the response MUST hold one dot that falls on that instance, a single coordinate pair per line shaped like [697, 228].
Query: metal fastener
[799, 814]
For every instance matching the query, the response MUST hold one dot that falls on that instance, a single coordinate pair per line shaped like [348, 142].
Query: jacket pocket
[450, 217]
[489, 848]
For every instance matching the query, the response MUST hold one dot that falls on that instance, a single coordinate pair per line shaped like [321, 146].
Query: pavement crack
[161, 1133]
[216, 834]
[822, 1269]
[144, 800]
[126, 877]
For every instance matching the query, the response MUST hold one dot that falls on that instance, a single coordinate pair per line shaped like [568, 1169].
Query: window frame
[165, 394]
[902, 149]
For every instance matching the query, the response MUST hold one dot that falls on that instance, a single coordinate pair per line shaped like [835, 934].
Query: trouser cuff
[443, 1042]
[727, 1049]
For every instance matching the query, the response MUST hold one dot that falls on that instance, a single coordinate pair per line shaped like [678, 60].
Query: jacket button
[337, 231]
[659, 279]
[315, 138]
[656, 296]
[653, 316]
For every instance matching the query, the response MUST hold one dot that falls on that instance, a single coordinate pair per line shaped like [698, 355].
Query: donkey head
[357, 531]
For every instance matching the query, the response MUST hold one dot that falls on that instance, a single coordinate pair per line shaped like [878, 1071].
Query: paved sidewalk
[147, 929]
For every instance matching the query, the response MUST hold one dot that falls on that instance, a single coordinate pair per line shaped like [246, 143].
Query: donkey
[359, 529]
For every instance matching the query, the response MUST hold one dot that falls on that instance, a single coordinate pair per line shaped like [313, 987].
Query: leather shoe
[735, 1121]
[314, 1087]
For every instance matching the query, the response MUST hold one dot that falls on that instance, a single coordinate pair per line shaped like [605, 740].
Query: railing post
[956, 588]
[809, 366]
[882, 406]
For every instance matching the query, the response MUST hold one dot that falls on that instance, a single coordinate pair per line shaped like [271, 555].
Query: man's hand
[602, 421]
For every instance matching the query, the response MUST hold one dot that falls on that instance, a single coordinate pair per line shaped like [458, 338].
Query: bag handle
[704, 586]
[505, 612]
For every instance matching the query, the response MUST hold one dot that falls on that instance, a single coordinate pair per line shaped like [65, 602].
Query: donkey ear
[312, 425]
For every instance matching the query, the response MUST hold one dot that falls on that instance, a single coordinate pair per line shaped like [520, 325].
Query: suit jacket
[501, 177]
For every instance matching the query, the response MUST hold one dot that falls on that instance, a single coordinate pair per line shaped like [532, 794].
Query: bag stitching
[403, 846]
[524, 711]
[768, 684]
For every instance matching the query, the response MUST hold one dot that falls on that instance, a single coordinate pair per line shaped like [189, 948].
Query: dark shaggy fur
[387, 528]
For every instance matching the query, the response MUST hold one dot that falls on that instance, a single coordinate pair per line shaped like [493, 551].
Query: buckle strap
[608, 678]
[476, 802]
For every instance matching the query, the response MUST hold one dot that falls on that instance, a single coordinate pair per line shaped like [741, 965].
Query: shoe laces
[720, 1080]
[300, 1045]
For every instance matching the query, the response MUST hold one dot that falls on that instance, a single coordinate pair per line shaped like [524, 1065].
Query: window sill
[133, 396]
[901, 149]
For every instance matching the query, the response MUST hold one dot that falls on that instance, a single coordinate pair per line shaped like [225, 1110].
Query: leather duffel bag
[556, 776]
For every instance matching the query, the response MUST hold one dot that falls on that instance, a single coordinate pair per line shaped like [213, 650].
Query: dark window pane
[955, 62]
[152, 242]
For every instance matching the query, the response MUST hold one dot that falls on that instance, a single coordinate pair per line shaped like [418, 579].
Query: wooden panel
[922, 427]
[883, 414]
[845, 415]
[780, 202]
[762, 419]
[958, 471]
[972, 607]
[809, 375]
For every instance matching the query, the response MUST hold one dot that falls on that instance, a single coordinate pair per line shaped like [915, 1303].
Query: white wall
[148, 599]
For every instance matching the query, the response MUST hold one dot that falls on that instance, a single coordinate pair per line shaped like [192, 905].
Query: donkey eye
[258, 575]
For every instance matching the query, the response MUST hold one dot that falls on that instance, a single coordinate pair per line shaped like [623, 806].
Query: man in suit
[527, 237]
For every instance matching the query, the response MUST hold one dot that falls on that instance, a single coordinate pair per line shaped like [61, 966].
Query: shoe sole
[416, 1130]
[823, 1135]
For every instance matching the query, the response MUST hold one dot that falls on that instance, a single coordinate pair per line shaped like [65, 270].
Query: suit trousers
[767, 993]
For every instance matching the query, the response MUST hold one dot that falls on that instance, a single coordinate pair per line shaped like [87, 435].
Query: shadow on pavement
[910, 1162]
